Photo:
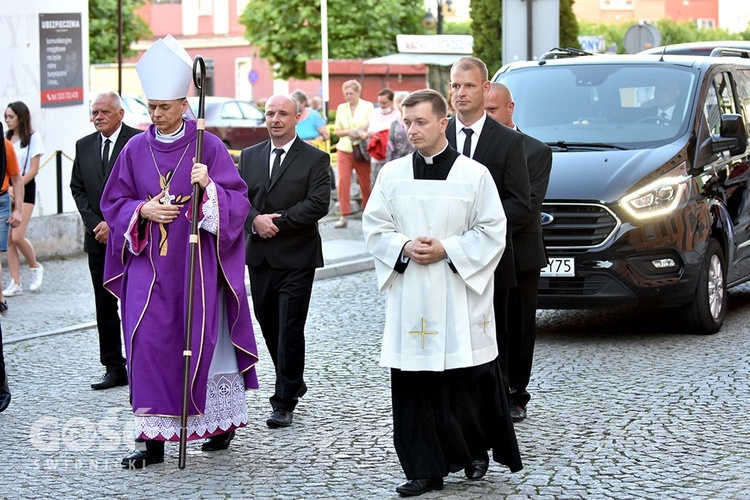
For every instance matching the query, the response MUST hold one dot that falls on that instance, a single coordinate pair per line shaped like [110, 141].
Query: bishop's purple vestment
[147, 269]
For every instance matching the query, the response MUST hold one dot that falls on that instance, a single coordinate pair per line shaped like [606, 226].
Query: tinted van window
[606, 104]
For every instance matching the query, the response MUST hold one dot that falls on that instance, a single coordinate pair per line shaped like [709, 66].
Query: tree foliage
[487, 26]
[103, 29]
[287, 33]
[682, 32]
[568, 25]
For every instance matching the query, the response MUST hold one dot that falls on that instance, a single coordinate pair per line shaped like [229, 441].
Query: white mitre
[165, 70]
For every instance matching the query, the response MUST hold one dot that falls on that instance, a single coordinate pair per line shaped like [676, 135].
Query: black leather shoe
[141, 458]
[112, 378]
[477, 469]
[517, 412]
[279, 418]
[416, 487]
[4, 400]
[218, 442]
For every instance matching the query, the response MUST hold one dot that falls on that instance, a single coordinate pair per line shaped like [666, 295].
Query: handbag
[359, 150]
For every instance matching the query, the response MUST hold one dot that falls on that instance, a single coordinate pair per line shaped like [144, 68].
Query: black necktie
[105, 155]
[467, 142]
[276, 161]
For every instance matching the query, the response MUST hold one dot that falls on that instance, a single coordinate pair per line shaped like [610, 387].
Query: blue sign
[253, 76]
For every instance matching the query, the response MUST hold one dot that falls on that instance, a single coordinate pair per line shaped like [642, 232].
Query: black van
[648, 201]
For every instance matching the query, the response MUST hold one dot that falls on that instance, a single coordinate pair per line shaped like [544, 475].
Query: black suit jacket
[299, 190]
[502, 151]
[528, 244]
[87, 181]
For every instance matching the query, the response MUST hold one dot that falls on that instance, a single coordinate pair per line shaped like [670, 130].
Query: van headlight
[659, 197]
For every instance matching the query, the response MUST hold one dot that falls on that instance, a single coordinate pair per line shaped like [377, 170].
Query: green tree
[487, 26]
[568, 25]
[103, 29]
[287, 34]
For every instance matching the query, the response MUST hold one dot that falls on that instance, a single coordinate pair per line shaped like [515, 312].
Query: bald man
[289, 187]
[529, 255]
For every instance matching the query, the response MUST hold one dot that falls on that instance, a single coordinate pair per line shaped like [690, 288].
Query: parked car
[698, 48]
[136, 112]
[236, 122]
[641, 209]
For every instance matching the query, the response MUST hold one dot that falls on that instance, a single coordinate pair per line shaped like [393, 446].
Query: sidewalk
[66, 301]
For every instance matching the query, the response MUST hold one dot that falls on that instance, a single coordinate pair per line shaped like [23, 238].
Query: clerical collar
[441, 156]
[174, 136]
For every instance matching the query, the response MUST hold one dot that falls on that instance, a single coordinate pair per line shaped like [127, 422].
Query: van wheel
[706, 313]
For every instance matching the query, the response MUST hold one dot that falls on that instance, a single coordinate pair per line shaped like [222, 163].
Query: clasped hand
[264, 226]
[424, 250]
[156, 211]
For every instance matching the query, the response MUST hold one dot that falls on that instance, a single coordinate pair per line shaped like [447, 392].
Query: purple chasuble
[152, 285]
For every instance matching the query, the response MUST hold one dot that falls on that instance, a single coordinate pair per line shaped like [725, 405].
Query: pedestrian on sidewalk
[436, 227]
[147, 204]
[95, 155]
[289, 190]
[10, 173]
[350, 116]
[29, 150]
[12, 181]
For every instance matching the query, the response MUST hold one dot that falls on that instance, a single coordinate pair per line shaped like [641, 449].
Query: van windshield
[623, 106]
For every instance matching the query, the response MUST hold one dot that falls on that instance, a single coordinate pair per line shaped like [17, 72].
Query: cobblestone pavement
[623, 407]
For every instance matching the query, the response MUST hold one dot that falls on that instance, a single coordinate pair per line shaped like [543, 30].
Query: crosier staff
[199, 79]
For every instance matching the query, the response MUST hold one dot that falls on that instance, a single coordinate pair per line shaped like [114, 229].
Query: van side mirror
[732, 135]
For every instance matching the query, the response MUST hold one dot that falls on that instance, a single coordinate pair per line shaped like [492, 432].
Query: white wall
[734, 15]
[59, 127]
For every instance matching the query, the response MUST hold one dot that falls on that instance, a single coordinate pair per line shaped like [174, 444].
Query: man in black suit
[288, 186]
[95, 155]
[530, 256]
[502, 151]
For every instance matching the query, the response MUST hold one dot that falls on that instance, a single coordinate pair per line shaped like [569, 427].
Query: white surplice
[437, 319]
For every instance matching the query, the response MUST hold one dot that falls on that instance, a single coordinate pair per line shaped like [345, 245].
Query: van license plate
[560, 266]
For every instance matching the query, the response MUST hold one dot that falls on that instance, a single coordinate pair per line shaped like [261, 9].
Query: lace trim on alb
[210, 220]
[226, 409]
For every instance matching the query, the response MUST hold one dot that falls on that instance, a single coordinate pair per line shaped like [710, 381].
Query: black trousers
[442, 421]
[281, 299]
[2, 362]
[107, 317]
[500, 305]
[522, 302]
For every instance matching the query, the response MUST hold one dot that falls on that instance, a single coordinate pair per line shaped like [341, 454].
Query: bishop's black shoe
[112, 378]
[218, 442]
[477, 469]
[153, 454]
[416, 487]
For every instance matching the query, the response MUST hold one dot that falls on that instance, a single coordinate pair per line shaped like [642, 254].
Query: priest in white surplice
[436, 227]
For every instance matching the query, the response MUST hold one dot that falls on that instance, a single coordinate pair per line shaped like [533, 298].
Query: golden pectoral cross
[483, 324]
[167, 199]
[423, 331]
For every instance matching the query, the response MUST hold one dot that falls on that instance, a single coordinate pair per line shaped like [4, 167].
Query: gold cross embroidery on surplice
[483, 324]
[423, 331]
[168, 199]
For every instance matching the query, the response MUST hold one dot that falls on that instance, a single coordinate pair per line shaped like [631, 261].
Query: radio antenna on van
[674, 22]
